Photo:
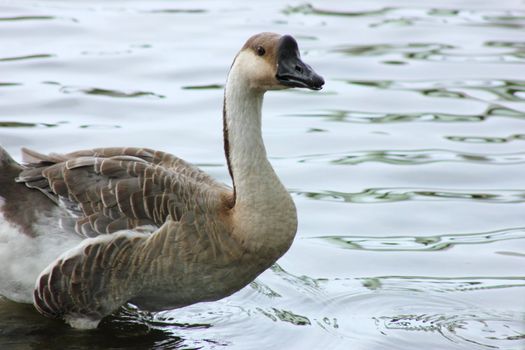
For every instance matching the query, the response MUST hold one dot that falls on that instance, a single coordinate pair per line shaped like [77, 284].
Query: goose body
[83, 233]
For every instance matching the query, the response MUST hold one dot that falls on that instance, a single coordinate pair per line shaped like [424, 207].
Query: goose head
[270, 61]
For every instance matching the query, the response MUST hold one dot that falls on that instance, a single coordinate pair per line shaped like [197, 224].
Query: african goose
[96, 229]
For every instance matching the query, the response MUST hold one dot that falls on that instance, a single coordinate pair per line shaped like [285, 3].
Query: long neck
[244, 147]
[264, 214]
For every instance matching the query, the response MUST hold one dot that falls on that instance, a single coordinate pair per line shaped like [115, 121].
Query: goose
[84, 233]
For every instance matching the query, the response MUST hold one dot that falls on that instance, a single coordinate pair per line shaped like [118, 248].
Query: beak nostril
[299, 69]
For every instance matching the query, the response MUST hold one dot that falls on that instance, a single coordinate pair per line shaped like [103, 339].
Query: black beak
[293, 72]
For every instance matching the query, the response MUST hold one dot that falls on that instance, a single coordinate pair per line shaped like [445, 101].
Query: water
[407, 169]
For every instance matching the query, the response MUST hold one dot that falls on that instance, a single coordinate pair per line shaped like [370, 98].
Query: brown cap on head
[281, 54]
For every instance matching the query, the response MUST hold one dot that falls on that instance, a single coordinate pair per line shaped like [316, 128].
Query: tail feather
[19, 204]
[7, 162]
[31, 156]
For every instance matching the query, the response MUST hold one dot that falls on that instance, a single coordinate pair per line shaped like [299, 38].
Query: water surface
[407, 168]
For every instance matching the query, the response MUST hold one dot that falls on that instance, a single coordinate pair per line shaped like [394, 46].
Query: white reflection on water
[422, 116]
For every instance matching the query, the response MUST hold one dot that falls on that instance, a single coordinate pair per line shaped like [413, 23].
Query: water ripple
[421, 305]
[422, 243]
[506, 90]
[286, 316]
[410, 50]
[365, 117]
[9, 84]
[125, 329]
[177, 11]
[489, 330]
[26, 18]
[70, 89]
[399, 194]
[10, 124]
[425, 284]
[27, 57]
[426, 306]
[380, 302]
[486, 139]
[108, 93]
[309, 9]
[433, 52]
[404, 16]
[116, 51]
[303, 285]
[204, 87]
[415, 157]
[195, 324]
[35, 18]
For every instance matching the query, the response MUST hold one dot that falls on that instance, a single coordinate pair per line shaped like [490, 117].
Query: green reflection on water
[383, 118]
[316, 130]
[372, 283]
[443, 12]
[506, 44]
[486, 139]
[203, 87]
[415, 157]
[26, 18]
[28, 57]
[185, 11]
[108, 92]
[382, 195]
[505, 90]
[421, 51]
[443, 93]
[409, 51]
[364, 117]
[398, 63]
[275, 315]
[469, 326]
[264, 289]
[309, 9]
[99, 126]
[290, 317]
[420, 244]
[9, 124]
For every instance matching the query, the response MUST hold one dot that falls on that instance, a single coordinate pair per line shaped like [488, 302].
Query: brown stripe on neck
[227, 147]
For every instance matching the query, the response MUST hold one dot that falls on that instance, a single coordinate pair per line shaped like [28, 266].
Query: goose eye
[260, 50]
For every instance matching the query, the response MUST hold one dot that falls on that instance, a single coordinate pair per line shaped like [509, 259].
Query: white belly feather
[22, 257]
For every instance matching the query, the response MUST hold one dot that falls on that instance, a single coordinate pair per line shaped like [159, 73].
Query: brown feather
[117, 188]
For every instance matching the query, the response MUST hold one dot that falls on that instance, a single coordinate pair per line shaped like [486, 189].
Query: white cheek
[257, 70]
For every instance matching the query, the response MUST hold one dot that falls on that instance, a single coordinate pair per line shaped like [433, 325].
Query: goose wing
[95, 278]
[112, 189]
[91, 280]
